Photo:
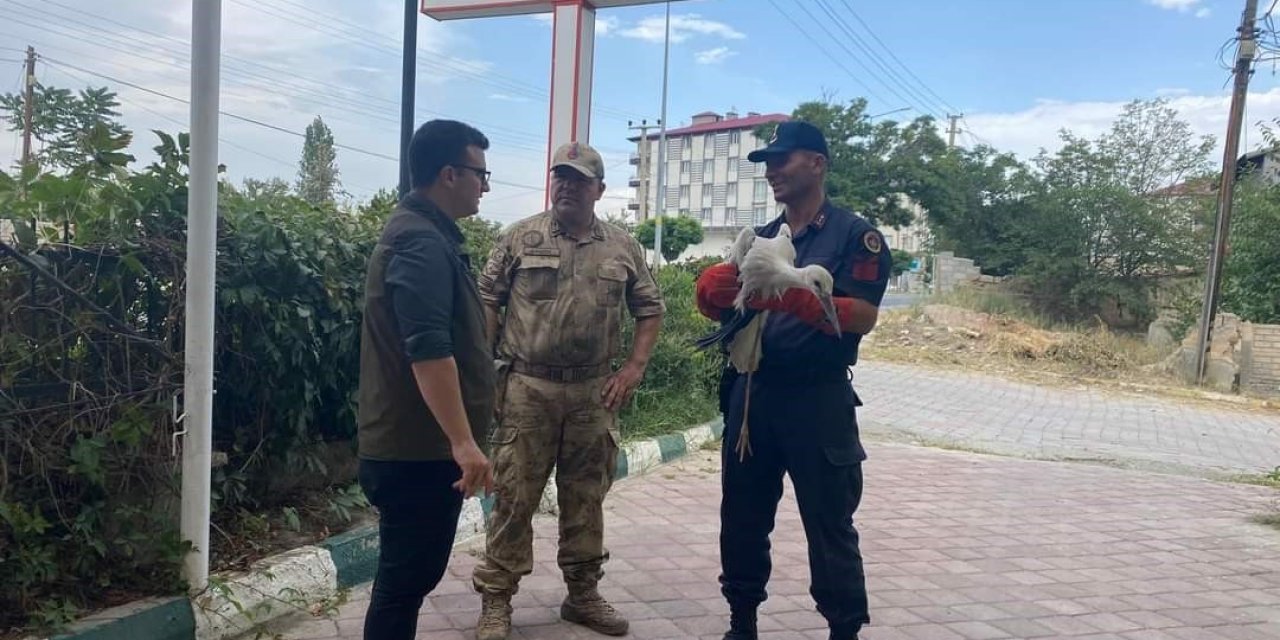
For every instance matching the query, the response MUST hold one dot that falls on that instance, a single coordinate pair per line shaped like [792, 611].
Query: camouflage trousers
[544, 424]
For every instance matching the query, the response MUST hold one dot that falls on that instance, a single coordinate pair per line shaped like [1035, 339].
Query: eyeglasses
[482, 173]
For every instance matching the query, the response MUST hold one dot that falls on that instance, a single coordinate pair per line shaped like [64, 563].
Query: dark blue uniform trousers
[806, 428]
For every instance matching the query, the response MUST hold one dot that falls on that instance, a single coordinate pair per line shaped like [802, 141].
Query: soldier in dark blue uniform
[803, 404]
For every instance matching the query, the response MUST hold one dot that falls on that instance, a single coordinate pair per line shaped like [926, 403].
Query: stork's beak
[829, 308]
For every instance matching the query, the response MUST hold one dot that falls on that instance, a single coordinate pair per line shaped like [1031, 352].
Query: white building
[708, 177]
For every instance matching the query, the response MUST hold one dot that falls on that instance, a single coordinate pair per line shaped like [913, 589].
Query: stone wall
[950, 272]
[1261, 371]
[1243, 357]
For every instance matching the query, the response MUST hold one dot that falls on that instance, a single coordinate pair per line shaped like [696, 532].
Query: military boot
[742, 624]
[495, 617]
[585, 606]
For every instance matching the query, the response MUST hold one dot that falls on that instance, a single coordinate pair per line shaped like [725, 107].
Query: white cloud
[605, 25]
[713, 56]
[1026, 132]
[1172, 91]
[653, 29]
[507, 98]
[1182, 6]
[1174, 5]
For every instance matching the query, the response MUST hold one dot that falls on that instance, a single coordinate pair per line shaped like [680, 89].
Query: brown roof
[749, 122]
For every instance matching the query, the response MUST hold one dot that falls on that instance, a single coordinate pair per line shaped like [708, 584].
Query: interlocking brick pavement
[1003, 416]
[958, 545]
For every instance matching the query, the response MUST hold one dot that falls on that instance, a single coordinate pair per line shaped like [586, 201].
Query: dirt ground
[949, 336]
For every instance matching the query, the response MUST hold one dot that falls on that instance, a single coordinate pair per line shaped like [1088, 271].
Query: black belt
[562, 374]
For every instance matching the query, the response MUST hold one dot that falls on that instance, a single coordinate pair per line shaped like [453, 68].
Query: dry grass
[993, 332]
[946, 334]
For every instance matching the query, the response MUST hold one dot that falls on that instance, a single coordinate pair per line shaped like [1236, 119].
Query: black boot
[742, 624]
[844, 632]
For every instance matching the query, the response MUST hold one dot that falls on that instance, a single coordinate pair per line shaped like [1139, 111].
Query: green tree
[867, 160]
[901, 261]
[481, 235]
[1251, 274]
[678, 233]
[1098, 231]
[318, 169]
[69, 127]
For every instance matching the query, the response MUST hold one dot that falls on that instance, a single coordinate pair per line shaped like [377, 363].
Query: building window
[759, 215]
[706, 192]
[685, 167]
[731, 215]
[684, 192]
[708, 169]
[706, 215]
[735, 137]
[731, 195]
[733, 169]
[762, 191]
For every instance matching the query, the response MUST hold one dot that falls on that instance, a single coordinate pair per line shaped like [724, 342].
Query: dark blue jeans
[418, 511]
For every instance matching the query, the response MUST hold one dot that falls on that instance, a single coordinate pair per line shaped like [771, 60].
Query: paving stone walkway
[959, 546]
[1001, 416]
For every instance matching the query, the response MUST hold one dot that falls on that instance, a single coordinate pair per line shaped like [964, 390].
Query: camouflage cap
[581, 158]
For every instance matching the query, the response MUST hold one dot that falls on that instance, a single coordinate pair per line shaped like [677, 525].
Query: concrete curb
[307, 577]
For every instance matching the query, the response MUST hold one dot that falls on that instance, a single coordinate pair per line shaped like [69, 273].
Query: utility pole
[28, 105]
[408, 74]
[1226, 190]
[951, 131]
[643, 168]
[661, 204]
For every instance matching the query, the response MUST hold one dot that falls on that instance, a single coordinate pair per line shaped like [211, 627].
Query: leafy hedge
[88, 373]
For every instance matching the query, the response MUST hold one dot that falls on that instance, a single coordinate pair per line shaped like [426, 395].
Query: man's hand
[619, 387]
[476, 471]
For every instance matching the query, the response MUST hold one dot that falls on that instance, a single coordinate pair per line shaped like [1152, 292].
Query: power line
[890, 83]
[328, 100]
[824, 50]
[253, 121]
[619, 114]
[288, 78]
[848, 7]
[325, 91]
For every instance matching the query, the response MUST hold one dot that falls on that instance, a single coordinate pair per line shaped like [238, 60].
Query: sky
[1020, 71]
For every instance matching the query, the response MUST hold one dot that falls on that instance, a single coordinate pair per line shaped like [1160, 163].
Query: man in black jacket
[427, 377]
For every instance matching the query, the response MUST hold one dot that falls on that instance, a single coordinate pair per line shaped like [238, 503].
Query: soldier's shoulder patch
[532, 238]
[871, 240]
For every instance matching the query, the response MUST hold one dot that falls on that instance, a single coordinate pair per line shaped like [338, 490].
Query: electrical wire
[329, 96]
[285, 163]
[253, 121]
[890, 80]
[904, 67]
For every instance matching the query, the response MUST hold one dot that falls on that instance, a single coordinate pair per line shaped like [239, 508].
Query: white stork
[766, 269]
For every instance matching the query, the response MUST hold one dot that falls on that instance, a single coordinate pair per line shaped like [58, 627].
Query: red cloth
[716, 288]
[804, 304]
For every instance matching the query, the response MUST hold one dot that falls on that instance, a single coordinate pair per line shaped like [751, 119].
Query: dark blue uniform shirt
[859, 261]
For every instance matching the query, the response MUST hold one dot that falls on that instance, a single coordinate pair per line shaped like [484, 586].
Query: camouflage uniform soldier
[562, 276]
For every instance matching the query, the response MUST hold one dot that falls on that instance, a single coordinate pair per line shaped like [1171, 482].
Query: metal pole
[661, 204]
[1226, 190]
[28, 104]
[407, 88]
[202, 241]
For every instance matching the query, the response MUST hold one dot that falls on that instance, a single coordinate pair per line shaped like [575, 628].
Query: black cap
[791, 136]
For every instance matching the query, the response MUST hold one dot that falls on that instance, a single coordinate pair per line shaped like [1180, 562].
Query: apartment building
[707, 177]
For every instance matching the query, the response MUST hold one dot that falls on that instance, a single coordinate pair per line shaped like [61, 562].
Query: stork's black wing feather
[730, 324]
